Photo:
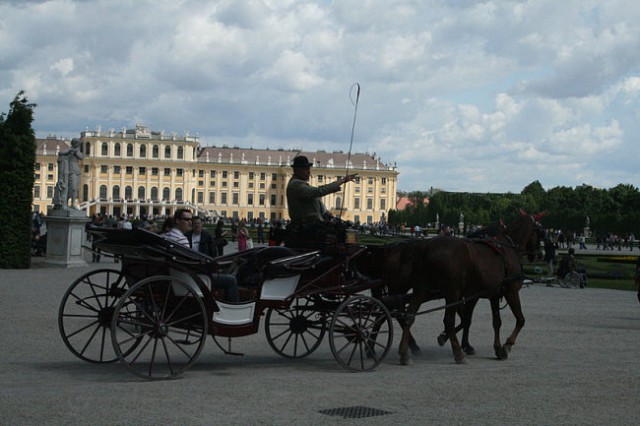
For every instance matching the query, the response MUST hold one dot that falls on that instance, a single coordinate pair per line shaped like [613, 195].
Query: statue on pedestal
[68, 176]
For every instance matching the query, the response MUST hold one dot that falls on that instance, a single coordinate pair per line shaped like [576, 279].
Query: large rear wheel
[297, 331]
[361, 333]
[85, 314]
[156, 334]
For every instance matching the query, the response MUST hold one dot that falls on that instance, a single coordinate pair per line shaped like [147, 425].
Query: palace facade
[143, 173]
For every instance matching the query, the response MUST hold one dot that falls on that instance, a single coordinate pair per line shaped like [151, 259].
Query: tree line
[606, 210]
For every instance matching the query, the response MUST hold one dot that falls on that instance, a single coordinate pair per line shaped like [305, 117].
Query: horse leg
[413, 345]
[497, 323]
[466, 315]
[466, 347]
[450, 328]
[512, 297]
[410, 316]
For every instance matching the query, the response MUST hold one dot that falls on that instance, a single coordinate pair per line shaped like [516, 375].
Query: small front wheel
[361, 333]
[297, 331]
[159, 327]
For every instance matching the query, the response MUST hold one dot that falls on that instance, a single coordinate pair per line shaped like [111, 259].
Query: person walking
[549, 254]
[243, 235]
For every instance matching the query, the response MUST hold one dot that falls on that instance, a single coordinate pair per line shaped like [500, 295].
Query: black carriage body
[162, 287]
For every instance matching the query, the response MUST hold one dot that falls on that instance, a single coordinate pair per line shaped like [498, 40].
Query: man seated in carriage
[183, 220]
[311, 224]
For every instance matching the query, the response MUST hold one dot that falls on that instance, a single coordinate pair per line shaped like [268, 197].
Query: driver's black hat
[301, 162]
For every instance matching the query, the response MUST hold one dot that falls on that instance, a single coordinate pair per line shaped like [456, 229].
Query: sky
[460, 95]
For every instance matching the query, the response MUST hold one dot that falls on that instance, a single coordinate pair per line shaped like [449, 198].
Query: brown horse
[465, 270]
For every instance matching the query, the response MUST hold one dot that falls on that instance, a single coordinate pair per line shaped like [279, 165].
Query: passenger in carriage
[183, 224]
[200, 240]
[309, 217]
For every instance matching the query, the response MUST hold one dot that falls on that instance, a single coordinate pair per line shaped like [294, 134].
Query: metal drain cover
[357, 412]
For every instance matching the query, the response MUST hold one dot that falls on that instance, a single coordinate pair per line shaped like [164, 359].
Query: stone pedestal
[587, 232]
[65, 236]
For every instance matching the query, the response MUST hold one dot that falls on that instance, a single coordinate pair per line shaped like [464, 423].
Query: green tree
[17, 161]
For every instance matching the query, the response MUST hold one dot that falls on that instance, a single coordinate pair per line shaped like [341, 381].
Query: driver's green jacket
[304, 202]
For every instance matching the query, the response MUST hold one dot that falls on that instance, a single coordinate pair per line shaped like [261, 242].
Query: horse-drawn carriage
[155, 313]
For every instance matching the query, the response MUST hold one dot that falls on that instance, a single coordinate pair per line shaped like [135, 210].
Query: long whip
[354, 87]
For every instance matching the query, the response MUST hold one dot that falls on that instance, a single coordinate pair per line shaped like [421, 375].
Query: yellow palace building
[143, 173]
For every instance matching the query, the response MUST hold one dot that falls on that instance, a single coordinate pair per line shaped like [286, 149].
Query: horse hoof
[442, 339]
[416, 351]
[503, 353]
[461, 360]
[406, 361]
[469, 350]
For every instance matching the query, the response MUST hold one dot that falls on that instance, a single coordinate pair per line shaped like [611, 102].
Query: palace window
[180, 153]
[129, 150]
[143, 151]
[167, 152]
[155, 151]
[104, 150]
[116, 150]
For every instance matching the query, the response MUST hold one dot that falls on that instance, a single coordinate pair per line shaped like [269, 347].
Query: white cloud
[463, 95]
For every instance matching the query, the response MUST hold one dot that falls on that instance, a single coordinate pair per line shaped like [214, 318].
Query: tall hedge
[17, 160]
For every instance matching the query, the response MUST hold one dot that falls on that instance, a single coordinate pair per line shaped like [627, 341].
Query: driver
[308, 214]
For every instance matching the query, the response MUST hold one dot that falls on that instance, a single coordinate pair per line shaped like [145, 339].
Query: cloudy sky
[482, 96]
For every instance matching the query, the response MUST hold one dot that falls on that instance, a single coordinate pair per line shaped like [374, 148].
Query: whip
[355, 87]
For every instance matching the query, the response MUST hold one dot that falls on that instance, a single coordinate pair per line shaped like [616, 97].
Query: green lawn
[611, 270]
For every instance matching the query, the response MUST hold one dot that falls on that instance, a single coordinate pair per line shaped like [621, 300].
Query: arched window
[180, 153]
[141, 192]
[130, 150]
[154, 193]
[115, 192]
[178, 194]
[116, 150]
[87, 148]
[85, 192]
[338, 202]
[165, 194]
[155, 151]
[128, 192]
[104, 151]
[167, 152]
[143, 151]
[103, 192]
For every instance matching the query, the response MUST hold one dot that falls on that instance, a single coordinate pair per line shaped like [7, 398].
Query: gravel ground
[575, 363]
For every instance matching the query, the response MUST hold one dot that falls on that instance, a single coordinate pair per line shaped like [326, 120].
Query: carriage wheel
[156, 334]
[361, 333]
[85, 313]
[297, 331]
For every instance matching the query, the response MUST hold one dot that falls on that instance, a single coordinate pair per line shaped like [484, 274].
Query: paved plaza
[575, 363]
